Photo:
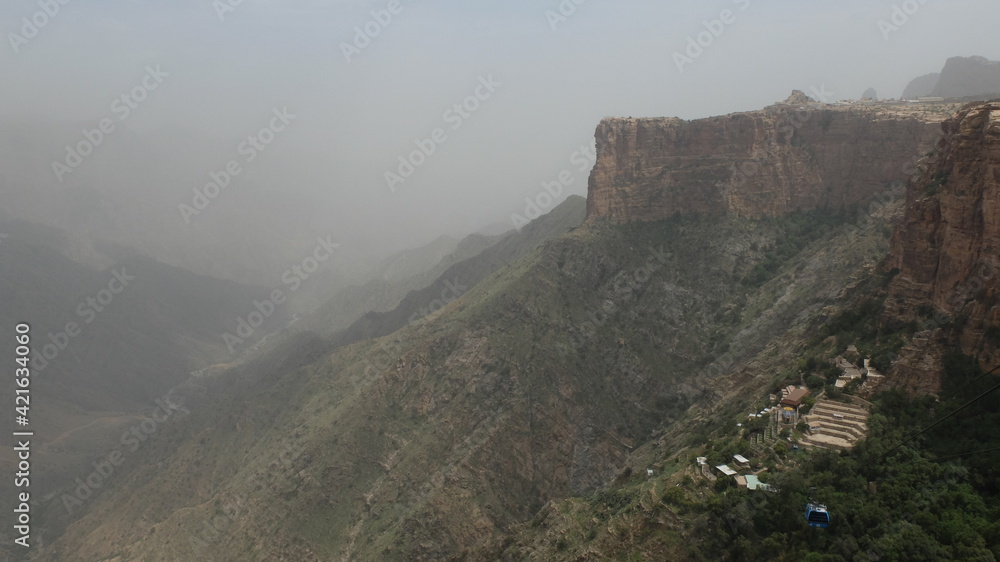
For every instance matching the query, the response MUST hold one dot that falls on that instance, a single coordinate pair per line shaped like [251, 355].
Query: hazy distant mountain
[414, 261]
[391, 280]
[569, 376]
[921, 87]
[962, 77]
[466, 274]
[128, 193]
[117, 339]
[968, 76]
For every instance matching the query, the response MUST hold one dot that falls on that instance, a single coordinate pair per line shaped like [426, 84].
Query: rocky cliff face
[765, 163]
[947, 249]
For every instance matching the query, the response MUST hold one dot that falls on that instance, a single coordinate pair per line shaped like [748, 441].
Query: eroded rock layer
[947, 249]
[765, 163]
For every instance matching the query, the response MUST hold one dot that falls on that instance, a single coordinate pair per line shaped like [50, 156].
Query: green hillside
[536, 385]
[381, 307]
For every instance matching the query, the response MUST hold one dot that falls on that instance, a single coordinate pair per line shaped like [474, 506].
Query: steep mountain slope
[453, 441]
[941, 257]
[410, 263]
[453, 279]
[536, 384]
[392, 280]
[390, 303]
[947, 252]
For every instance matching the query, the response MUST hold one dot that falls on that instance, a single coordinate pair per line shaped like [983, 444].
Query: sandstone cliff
[947, 249]
[765, 163]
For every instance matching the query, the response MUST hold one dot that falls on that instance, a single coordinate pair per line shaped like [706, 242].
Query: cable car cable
[964, 454]
[940, 421]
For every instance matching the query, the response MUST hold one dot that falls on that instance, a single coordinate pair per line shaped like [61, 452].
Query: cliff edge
[947, 250]
[787, 157]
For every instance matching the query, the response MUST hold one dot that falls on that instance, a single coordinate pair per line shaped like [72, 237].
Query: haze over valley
[355, 280]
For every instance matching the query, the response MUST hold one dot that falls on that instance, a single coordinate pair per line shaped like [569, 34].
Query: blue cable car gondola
[817, 515]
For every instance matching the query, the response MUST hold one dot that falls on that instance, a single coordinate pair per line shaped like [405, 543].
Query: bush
[815, 382]
[807, 403]
[675, 496]
[853, 386]
[833, 393]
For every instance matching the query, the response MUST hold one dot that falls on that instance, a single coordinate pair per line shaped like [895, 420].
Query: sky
[545, 73]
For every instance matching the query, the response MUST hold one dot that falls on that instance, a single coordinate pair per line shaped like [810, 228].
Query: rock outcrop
[766, 163]
[922, 86]
[968, 76]
[947, 250]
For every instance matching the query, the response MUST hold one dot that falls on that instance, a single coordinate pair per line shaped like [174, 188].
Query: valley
[552, 404]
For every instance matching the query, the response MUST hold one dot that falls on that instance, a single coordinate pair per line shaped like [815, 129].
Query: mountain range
[532, 395]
